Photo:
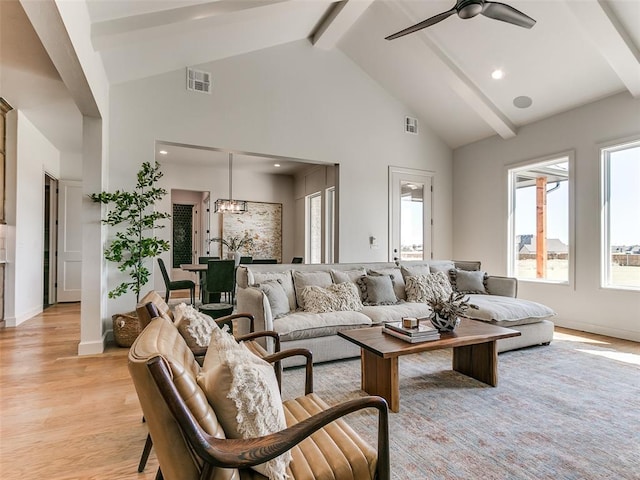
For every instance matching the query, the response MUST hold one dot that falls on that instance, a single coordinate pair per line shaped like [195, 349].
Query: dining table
[197, 268]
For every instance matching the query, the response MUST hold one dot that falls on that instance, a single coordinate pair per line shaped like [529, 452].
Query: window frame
[605, 221]
[510, 171]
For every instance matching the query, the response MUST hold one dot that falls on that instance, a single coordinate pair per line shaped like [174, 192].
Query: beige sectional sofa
[260, 287]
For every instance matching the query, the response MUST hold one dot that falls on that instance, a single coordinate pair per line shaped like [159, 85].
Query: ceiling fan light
[470, 10]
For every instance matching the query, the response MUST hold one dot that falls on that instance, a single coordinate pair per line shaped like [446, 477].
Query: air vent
[198, 81]
[411, 125]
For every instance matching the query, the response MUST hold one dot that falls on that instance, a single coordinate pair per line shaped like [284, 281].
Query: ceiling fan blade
[424, 24]
[505, 13]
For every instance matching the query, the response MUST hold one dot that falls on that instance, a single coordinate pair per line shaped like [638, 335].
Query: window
[621, 216]
[314, 228]
[539, 220]
[331, 212]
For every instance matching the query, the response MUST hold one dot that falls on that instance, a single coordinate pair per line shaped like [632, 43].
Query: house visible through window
[539, 220]
[621, 216]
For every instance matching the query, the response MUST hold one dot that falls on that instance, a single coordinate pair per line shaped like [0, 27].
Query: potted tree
[134, 243]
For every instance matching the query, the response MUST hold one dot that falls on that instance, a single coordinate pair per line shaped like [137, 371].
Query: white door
[410, 233]
[69, 241]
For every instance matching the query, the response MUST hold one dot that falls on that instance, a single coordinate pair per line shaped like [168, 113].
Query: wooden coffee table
[474, 355]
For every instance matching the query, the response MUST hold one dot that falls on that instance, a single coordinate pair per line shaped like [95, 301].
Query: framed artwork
[263, 223]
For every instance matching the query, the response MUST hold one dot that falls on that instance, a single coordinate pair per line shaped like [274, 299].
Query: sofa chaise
[303, 321]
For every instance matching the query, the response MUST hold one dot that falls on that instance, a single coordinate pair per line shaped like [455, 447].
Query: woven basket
[126, 328]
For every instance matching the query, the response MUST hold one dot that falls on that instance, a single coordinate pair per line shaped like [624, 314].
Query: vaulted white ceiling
[578, 51]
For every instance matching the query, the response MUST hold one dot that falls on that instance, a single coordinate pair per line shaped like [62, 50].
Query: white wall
[293, 101]
[35, 156]
[246, 186]
[480, 211]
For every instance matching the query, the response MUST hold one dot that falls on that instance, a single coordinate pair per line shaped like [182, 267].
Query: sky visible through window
[624, 208]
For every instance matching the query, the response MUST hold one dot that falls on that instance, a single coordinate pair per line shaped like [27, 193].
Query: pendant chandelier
[229, 205]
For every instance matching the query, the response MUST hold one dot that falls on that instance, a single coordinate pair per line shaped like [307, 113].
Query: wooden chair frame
[238, 453]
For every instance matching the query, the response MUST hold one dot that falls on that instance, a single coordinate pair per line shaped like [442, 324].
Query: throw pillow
[243, 391]
[221, 342]
[396, 278]
[333, 298]
[377, 290]
[277, 297]
[422, 288]
[414, 270]
[441, 266]
[285, 277]
[341, 276]
[306, 279]
[470, 281]
[194, 326]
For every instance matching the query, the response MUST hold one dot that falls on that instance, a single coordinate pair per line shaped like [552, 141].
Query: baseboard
[15, 321]
[634, 336]
[94, 347]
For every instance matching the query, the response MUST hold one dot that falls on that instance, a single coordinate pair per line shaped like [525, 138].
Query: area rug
[564, 411]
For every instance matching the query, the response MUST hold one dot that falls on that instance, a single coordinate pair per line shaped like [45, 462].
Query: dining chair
[203, 275]
[221, 279]
[176, 284]
[245, 260]
[296, 260]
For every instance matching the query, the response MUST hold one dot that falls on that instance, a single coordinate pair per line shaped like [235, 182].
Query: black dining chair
[264, 260]
[171, 286]
[296, 260]
[220, 280]
[203, 275]
[245, 260]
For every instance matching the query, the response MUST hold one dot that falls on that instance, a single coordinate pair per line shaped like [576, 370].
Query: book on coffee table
[421, 333]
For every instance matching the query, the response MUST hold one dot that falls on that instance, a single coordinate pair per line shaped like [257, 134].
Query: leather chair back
[161, 339]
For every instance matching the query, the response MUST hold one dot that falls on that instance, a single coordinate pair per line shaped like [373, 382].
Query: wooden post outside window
[541, 227]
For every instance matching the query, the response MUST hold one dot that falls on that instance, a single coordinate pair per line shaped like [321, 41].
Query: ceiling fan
[469, 9]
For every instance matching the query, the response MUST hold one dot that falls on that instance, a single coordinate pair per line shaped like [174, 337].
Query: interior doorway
[189, 229]
[50, 241]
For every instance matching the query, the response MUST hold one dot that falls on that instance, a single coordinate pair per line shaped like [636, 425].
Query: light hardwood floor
[66, 417]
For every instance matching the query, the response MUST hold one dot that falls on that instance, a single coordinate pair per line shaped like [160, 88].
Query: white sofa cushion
[299, 325]
[507, 311]
[393, 313]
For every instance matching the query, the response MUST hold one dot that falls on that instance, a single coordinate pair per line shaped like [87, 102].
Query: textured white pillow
[243, 391]
[333, 298]
[302, 279]
[422, 288]
[194, 326]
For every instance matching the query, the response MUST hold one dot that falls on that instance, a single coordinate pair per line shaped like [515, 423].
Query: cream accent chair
[190, 442]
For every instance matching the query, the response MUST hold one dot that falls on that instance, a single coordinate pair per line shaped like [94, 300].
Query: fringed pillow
[332, 298]
[422, 288]
[243, 391]
[377, 290]
[194, 326]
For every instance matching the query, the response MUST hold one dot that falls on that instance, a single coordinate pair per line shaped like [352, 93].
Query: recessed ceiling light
[497, 74]
[522, 101]
[276, 164]
[163, 152]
